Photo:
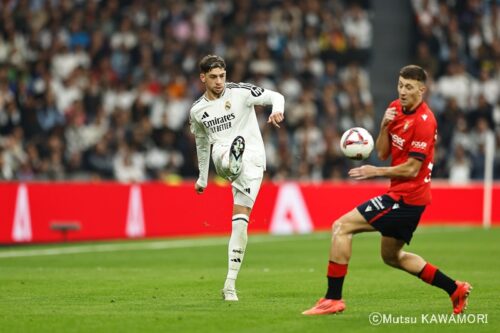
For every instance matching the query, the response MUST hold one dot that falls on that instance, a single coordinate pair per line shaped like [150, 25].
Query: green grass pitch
[174, 285]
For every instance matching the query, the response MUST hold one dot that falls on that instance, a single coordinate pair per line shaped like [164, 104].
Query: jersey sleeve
[423, 137]
[260, 96]
[202, 150]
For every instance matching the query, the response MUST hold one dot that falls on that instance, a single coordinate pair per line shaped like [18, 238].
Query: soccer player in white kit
[224, 118]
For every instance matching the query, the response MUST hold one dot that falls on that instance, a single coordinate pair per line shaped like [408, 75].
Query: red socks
[428, 272]
[336, 270]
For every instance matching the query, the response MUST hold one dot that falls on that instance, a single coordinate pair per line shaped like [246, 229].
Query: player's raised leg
[228, 160]
[340, 253]
[393, 255]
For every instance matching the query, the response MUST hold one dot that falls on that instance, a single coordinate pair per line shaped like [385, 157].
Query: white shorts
[247, 185]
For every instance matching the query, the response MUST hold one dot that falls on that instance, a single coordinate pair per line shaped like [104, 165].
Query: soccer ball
[356, 143]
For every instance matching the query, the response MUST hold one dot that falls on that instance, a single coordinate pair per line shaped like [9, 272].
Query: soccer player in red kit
[408, 134]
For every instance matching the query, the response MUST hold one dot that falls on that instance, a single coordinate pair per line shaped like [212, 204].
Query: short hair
[210, 62]
[413, 72]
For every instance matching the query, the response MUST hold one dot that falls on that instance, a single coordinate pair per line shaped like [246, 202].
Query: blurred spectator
[456, 84]
[10, 117]
[486, 87]
[460, 166]
[358, 30]
[478, 137]
[128, 165]
[426, 60]
[305, 107]
[164, 160]
[309, 141]
[335, 164]
[171, 109]
[100, 160]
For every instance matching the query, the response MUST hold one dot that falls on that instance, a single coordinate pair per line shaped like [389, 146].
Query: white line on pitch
[182, 243]
[158, 245]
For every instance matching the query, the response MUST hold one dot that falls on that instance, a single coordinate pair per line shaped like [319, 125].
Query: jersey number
[256, 91]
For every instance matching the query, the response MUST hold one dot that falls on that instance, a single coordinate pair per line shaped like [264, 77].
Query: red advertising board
[35, 212]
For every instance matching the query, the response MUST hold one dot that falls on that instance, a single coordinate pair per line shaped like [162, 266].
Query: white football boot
[229, 295]
[236, 156]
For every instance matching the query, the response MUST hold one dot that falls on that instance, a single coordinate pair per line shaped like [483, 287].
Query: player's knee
[340, 228]
[390, 258]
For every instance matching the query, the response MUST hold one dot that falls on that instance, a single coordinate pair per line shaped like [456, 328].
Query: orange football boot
[326, 306]
[460, 296]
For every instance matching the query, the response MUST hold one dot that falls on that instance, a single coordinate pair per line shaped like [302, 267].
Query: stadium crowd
[101, 90]
[458, 43]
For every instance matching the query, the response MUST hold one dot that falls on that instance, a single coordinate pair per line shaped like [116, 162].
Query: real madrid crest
[227, 105]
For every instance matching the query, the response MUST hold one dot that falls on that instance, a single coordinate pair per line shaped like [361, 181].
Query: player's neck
[212, 96]
[411, 109]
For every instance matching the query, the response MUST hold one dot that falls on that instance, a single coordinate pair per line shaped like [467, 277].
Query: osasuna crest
[227, 105]
[407, 124]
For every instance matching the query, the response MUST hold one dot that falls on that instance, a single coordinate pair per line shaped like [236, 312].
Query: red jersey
[412, 134]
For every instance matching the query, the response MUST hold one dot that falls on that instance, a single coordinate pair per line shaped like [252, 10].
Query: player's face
[214, 81]
[410, 92]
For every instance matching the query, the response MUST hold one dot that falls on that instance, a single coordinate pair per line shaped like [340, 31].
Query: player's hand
[198, 188]
[276, 118]
[389, 116]
[363, 172]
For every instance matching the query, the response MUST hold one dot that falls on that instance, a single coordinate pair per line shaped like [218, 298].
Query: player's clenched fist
[198, 188]
[275, 118]
[389, 116]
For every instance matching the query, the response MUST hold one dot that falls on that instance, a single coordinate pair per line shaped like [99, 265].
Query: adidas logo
[247, 190]
[377, 203]
[205, 115]
[368, 209]
[236, 260]
[395, 206]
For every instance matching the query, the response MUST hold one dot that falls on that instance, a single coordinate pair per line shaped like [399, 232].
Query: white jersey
[219, 121]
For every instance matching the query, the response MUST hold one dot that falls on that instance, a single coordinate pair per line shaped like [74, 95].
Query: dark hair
[413, 72]
[210, 62]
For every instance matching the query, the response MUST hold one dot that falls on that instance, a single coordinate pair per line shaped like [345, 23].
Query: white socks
[236, 249]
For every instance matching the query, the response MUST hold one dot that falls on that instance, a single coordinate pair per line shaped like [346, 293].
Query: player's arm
[408, 169]
[260, 96]
[278, 102]
[383, 143]
[203, 154]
